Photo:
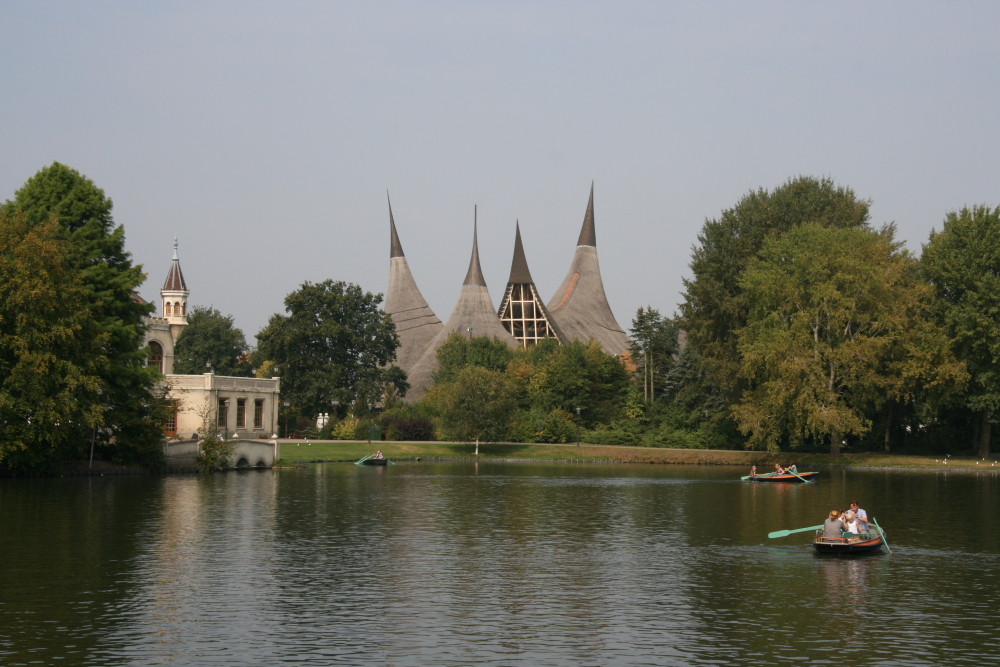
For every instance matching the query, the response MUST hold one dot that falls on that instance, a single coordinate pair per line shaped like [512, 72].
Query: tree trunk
[984, 436]
[835, 444]
[888, 431]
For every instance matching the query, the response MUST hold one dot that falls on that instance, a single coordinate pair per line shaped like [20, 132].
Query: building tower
[416, 324]
[580, 306]
[473, 316]
[174, 297]
[522, 311]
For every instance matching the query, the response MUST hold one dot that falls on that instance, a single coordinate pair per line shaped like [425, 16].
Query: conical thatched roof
[580, 306]
[522, 311]
[416, 323]
[473, 315]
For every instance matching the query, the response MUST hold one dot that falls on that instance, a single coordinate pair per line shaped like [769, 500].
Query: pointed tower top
[175, 278]
[475, 273]
[588, 236]
[395, 247]
[519, 272]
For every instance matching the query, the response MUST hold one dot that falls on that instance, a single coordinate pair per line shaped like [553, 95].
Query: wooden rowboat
[375, 462]
[783, 477]
[850, 543]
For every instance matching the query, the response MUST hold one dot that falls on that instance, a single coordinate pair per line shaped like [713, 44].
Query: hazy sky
[265, 135]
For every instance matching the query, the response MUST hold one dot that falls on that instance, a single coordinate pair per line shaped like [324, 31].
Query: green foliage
[112, 398]
[557, 426]
[211, 337]
[832, 314]
[653, 344]
[334, 343]
[214, 453]
[458, 352]
[962, 262]
[714, 308]
[346, 429]
[478, 404]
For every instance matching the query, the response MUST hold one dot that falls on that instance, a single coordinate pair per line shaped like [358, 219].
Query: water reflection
[490, 564]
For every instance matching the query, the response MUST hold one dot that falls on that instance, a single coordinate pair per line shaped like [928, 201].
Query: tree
[334, 343]
[457, 352]
[653, 344]
[832, 316]
[125, 405]
[476, 404]
[714, 309]
[212, 337]
[962, 262]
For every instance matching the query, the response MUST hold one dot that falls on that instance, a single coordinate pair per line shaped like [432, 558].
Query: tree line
[803, 326]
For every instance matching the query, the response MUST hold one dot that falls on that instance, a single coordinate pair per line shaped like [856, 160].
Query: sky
[266, 136]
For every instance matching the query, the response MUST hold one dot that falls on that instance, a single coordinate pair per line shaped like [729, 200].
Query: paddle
[363, 459]
[799, 476]
[882, 532]
[785, 533]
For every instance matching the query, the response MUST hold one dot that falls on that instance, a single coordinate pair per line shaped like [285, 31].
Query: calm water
[493, 564]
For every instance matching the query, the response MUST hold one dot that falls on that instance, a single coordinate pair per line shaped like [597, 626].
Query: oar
[363, 459]
[785, 533]
[882, 532]
[798, 475]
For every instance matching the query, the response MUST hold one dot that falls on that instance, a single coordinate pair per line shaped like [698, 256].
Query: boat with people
[781, 477]
[850, 543]
[376, 459]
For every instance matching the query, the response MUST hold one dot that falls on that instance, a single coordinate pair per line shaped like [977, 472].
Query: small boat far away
[781, 477]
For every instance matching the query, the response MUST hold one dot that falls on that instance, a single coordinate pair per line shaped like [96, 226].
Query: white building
[237, 407]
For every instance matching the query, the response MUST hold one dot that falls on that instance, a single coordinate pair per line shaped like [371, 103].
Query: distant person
[778, 470]
[791, 468]
[833, 526]
[861, 515]
[379, 454]
[753, 471]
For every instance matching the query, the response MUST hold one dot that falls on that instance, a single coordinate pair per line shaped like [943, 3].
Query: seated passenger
[833, 526]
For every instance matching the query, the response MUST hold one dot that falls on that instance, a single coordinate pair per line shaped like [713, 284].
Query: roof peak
[395, 247]
[475, 274]
[519, 272]
[588, 235]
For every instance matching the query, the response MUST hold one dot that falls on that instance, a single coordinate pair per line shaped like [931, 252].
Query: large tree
[962, 261]
[834, 317]
[211, 338]
[128, 419]
[335, 343]
[714, 309]
[653, 344]
[475, 404]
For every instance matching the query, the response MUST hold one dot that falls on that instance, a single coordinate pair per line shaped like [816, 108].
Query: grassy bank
[295, 451]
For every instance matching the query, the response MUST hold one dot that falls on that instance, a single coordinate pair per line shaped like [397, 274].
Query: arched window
[183, 308]
[166, 308]
[155, 355]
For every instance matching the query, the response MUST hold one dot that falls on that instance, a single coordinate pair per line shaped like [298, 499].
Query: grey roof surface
[580, 306]
[416, 323]
[474, 315]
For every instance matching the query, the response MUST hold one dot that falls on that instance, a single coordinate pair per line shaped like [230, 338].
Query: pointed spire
[395, 247]
[588, 235]
[519, 272]
[475, 274]
[175, 278]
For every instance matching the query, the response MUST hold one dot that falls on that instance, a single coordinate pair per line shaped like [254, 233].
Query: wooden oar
[363, 459]
[785, 533]
[882, 533]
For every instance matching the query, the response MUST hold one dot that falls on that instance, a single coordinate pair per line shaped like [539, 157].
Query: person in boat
[753, 471]
[379, 454]
[862, 517]
[791, 468]
[833, 526]
[778, 470]
[851, 523]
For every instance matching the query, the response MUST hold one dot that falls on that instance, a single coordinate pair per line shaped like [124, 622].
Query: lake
[490, 563]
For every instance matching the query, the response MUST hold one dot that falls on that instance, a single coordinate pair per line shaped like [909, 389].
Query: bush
[555, 426]
[214, 453]
[408, 428]
[345, 429]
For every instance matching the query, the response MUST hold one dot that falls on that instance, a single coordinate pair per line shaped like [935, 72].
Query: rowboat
[781, 477]
[850, 543]
[375, 462]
